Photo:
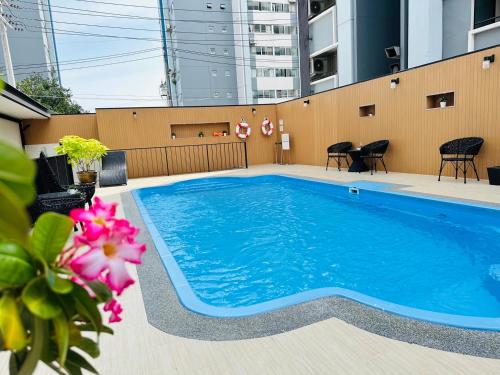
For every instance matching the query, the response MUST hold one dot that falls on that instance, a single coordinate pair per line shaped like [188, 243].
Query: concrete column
[425, 31]
[346, 53]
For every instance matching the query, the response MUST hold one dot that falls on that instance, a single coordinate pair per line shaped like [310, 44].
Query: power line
[179, 9]
[95, 13]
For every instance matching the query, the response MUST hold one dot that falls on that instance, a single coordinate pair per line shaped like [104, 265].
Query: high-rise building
[230, 51]
[347, 41]
[31, 39]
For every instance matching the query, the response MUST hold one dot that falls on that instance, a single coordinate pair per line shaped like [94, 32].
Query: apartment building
[30, 38]
[353, 40]
[230, 52]
[347, 40]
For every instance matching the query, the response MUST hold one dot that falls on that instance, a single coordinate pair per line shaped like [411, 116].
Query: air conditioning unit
[319, 65]
[251, 42]
[317, 7]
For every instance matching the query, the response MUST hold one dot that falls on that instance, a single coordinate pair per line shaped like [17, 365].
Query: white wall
[425, 31]
[10, 133]
[345, 51]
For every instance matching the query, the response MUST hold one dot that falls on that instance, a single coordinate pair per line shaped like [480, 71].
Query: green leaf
[76, 361]
[14, 221]
[101, 290]
[87, 306]
[91, 328]
[89, 346]
[61, 330]
[11, 326]
[15, 267]
[57, 284]
[39, 299]
[50, 234]
[17, 171]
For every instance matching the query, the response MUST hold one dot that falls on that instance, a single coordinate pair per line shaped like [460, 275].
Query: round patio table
[358, 165]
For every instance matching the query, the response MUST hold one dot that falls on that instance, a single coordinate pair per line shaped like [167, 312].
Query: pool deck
[327, 347]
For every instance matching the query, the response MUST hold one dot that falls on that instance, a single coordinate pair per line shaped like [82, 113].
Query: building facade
[355, 40]
[230, 51]
[31, 39]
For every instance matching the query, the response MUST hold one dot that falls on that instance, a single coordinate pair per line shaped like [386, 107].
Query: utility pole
[4, 23]
[168, 88]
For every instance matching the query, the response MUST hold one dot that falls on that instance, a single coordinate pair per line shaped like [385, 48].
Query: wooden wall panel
[118, 129]
[415, 133]
[50, 131]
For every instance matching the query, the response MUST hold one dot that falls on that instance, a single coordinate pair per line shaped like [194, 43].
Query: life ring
[243, 130]
[267, 127]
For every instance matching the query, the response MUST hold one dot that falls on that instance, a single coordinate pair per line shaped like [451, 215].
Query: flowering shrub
[50, 292]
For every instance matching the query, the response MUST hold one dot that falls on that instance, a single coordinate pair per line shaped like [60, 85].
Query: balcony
[486, 32]
[323, 31]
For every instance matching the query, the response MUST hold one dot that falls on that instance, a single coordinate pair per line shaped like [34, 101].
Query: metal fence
[171, 160]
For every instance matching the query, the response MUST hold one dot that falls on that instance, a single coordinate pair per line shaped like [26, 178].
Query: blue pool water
[239, 243]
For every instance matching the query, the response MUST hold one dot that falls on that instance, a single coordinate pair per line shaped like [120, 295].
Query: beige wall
[415, 132]
[10, 133]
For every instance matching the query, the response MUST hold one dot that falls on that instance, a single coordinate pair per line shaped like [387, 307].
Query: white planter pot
[442, 104]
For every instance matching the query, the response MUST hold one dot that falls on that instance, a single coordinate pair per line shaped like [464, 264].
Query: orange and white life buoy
[267, 127]
[243, 130]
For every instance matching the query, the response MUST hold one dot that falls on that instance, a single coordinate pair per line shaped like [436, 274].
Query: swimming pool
[242, 246]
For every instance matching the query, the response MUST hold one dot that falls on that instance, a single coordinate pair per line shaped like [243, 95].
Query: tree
[48, 92]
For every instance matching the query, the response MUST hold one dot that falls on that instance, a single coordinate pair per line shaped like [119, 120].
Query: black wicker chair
[373, 152]
[114, 169]
[460, 153]
[51, 196]
[338, 152]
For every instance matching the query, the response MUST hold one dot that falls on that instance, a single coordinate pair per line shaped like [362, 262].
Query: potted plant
[200, 134]
[82, 153]
[443, 101]
[173, 135]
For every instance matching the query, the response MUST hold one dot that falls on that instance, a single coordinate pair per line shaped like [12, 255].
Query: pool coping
[166, 312]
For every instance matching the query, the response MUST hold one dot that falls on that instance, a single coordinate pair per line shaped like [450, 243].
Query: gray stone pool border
[165, 312]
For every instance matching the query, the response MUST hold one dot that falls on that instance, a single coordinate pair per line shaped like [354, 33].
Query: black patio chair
[51, 196]
[373, 152]
[114, 169]
[460, 153]
[338, 152]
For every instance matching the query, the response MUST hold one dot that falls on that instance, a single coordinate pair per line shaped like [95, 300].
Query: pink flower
[96, 219]
[116, 309]
[107, 255]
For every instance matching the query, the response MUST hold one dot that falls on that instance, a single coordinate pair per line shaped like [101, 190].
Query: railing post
[208, 160]
[246, 157]
[166, 159]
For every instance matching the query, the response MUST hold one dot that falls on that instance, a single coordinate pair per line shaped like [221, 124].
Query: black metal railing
[487, 21]
[171, 160]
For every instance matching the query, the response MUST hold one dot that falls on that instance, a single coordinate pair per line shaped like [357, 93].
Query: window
[226, 51]
[209, 5]
[228, 73]
[229, 94]
[214, 73]
[216, 94]
[281, 8]
[264, 94]
[258, 28]
[280, 29]
[223, 6]
[211, 51]
[224, 29]
[211, 28]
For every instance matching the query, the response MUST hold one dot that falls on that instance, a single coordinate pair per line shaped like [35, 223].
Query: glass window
[223, 6]
[216, 94]
[211, 28]
[214, 73]
[228, 73]
[212, 51]
[226, 51]
[209, 5]
[229, 94]
[224, 29]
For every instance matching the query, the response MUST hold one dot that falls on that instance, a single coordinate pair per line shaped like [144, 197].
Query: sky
[119, 85]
